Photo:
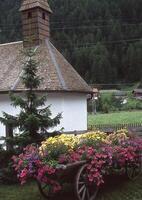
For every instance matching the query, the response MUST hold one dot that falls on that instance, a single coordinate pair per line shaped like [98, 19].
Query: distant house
[103, 91]
[137, 94]
[96, 93]
[66, 90]
[120, 94]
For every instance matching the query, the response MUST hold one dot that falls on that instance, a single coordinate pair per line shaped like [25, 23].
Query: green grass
[122, 190]
[113, 190]
[18, 192]
[115, 118]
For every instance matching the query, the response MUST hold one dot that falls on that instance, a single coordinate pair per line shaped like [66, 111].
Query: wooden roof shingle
[58, 75]
[29, 4]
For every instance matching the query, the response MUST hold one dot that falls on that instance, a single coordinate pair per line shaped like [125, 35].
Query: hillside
[101, 38]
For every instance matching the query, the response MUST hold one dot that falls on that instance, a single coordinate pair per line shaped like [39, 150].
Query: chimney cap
[30, 4]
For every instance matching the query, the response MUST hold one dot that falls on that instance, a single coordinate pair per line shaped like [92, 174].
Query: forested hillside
[101, 38]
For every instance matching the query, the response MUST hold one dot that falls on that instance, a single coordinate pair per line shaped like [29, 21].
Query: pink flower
[24, 173]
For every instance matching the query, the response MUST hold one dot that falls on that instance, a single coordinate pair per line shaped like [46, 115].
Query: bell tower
[35, 21]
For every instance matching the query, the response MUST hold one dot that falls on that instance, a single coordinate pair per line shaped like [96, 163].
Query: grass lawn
[113, 190]
[115, 118]
[18, 192]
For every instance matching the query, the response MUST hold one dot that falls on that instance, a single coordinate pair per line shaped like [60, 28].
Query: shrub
[109, 103]
[132, 104]
[7, 172]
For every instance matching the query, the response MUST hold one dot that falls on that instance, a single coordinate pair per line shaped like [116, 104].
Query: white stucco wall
[73, 107]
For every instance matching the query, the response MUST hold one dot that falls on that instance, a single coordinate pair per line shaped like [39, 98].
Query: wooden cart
[76, 173]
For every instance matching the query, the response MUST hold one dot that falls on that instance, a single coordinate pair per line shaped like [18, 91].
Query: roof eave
[48, 91]
[24, 9]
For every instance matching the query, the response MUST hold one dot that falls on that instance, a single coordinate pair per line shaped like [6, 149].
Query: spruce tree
[34, 117]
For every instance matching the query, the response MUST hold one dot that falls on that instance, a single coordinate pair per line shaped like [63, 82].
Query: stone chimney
[35, 21]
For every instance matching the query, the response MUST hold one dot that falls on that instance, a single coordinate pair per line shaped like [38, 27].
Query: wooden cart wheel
[133, 170]
[44, 190]
[82, 188]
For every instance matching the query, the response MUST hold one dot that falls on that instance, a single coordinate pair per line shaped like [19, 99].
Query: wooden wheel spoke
[133, 171]
[80, 182]
[88, 195]
[136, 172]
[84, 194]
[94, 195]
[81, 189]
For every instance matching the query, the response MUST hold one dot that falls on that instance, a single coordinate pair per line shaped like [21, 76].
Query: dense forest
[101, 38]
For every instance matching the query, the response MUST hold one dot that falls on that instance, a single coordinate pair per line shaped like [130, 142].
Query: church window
[29, 15]
[43, 15]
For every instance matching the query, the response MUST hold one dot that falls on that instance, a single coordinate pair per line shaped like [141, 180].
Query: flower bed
[102, 152]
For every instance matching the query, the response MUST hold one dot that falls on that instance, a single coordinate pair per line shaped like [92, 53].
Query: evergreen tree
[101, 69]
[34, 117]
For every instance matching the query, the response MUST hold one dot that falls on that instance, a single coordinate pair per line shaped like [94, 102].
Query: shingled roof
[29, 4]
[58, 75]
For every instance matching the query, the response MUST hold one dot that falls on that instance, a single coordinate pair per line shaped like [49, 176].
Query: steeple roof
[30, 4]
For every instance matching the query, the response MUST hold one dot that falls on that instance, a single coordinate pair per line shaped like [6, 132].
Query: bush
[109, 103]
[132, 104]
[7, 173]
[5, 157]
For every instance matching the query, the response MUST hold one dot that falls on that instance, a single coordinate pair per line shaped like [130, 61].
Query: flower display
[105, 158]
[64, 139]
[103, 153]
[98, 135]
[67, 142]
[58, 145]
[27, 163]
[117, 137]
[30, 164]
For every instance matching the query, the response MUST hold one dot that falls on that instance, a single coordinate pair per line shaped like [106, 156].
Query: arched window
[29, 15]
[43, 15]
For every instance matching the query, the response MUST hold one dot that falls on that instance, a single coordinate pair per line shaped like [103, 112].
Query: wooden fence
[137, 127]
[114, 127]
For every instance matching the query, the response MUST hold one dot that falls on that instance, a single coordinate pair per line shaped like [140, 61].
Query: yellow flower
[70, 141]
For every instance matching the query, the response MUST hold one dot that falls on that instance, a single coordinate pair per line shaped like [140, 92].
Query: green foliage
[5, 156]
[7, 173]
[54, 153]
[132, 103]
[10, 21]
[110, 102]
[19, 141]
[34, 117]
